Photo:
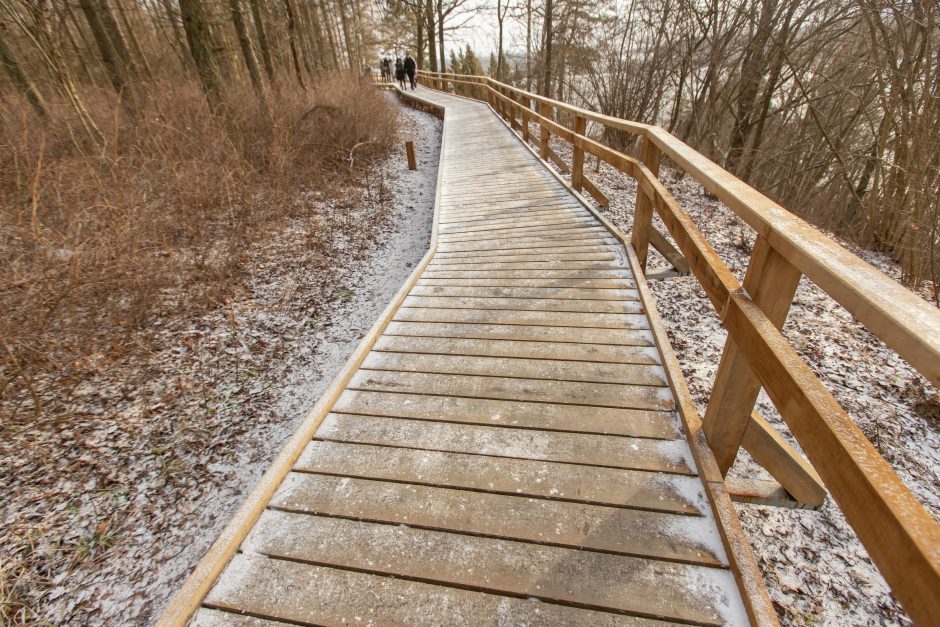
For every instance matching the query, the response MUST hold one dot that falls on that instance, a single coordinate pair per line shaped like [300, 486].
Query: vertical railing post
[513, 105]
[527, 104]
[771, 281]
[577, 159]
[544, 111]
[650, 155]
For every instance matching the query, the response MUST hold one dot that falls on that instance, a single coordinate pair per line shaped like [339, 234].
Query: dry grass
[99, 240]
[97, 244]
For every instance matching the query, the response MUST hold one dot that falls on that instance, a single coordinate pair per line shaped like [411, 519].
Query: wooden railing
[900, 535]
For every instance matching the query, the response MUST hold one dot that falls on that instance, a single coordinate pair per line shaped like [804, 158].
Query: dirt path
[110, 514]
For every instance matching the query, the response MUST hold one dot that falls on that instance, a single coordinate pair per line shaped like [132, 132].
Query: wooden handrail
[902, 320]
[900, 535]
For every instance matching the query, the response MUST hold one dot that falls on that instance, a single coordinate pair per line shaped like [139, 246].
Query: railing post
[527, 103]
[513, 105]
[771, 282]
[577, 158]
[643, 213]
[544, 111]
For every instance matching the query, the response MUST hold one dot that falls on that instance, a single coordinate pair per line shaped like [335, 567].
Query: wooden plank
[572, 293]
[667, 250]
[624, 337]
[520, 223]
[465, 264]
[547, 284]
[570, 392]
[615, 487]
[566, 233]
[315, 595]
[524, 304]
[615, 530]
[608, 451]
[512, 414]
[609, 582]
[597, 254]
[528, 350]
[772, 282]
[497, 216]
[528, 243]
[217, 618]
[643, 214]
[586, 248]
[598, 195]
[783, 462]
[527, 368]
[528, 318]
[584, 276]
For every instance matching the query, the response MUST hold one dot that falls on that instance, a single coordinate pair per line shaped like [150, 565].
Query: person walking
[411, 69]
[386, 70]
[400, 72]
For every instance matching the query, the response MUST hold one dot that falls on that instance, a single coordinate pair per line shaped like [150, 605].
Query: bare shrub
[96, 242]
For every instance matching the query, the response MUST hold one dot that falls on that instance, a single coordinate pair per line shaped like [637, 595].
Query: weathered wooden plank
[527, 274]
[599, 249]
[489, 216]
[575, 448]
[525, 222]
[525, 304]
[613, 337]
[563, 232]
[449, 265]
[543, 318]
[598, 284]
[539, 258]
[527, 243]
[423, 289]
[611, 582]
[673, 537]
[513, 414]
[528, 368]
[570, 392]
[583, 484]
[513, 348]
[217, 618]
[315, 595]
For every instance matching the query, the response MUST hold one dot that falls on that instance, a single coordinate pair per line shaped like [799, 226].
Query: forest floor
[816, 570]
[104, 520]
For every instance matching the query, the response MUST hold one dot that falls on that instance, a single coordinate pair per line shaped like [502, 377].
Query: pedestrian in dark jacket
[411, 69]
[400, 72]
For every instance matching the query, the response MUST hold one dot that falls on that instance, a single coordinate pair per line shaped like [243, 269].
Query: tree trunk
[331, 40]
[292, 42]
[421, 20]
[109, 57]
[117, 37]
[546, 86]
[19, 77]
[429, 21]
[262, 35]
[347, 36]
[499, 40]
[244, 42]
[202, 50]
[528, 45]
[136, 50]
[440, 36]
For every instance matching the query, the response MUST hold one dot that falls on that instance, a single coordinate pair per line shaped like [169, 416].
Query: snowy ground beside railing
[816, 570]
[115, 512]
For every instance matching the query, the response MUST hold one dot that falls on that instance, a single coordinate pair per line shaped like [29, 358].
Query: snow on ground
[816, 570]
[115, 510]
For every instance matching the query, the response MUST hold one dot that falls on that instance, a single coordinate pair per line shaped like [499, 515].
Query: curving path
[508, 452]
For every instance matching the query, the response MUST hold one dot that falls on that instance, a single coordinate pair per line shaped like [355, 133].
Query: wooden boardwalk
[508, 451]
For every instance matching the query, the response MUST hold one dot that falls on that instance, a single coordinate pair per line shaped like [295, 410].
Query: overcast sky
[480, 31]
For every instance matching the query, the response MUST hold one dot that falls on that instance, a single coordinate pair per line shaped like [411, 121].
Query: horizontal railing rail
[900, 535]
